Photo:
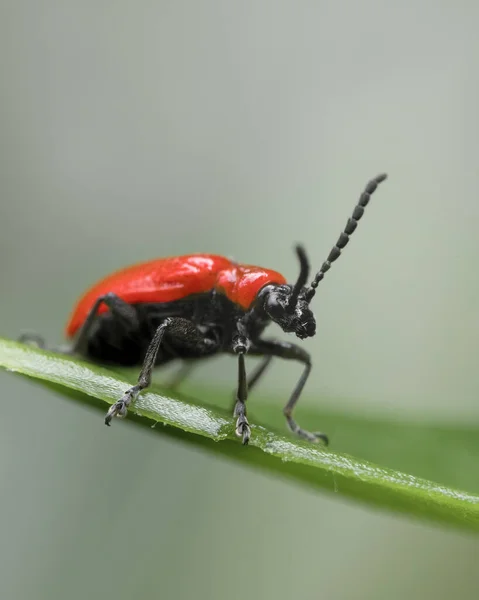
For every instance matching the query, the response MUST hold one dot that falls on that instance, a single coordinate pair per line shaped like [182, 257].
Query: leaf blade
[318, 468]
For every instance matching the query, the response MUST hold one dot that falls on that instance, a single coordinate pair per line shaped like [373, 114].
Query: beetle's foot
[320, 437]
[243, 429]
[242, 425]
[32, 339]
[315, 438]
[120, 408]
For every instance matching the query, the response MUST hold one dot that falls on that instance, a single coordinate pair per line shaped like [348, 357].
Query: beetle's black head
[288, 305]
[294, 318]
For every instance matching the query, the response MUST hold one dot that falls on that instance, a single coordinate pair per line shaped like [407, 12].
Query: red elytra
[174, 278]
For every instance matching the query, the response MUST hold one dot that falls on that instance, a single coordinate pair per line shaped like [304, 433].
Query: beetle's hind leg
[34, 339]
[125, 316]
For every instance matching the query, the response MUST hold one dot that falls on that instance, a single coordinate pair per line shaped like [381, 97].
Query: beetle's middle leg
[180, 332]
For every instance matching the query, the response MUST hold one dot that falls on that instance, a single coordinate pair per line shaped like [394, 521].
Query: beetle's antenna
[345, 235]
[302, 277]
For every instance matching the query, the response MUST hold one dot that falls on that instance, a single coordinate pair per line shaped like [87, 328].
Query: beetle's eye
[273, 306]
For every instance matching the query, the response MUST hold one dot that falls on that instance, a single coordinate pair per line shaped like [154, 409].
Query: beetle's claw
[315, 438]
[321, 437]
[112, 412]
[243, 430]
[120, 408]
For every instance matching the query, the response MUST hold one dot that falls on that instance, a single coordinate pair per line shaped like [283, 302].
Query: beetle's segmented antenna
[345, 235]
[302, 278]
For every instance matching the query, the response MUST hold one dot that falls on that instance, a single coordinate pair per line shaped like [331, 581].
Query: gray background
[130, 130]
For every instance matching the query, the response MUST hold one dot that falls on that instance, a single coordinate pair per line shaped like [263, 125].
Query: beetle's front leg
[290, 352]
[243, 430]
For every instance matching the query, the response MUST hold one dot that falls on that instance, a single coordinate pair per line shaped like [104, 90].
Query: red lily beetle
[199, 305]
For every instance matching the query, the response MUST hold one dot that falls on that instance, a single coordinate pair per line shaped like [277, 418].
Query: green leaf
[206, 426]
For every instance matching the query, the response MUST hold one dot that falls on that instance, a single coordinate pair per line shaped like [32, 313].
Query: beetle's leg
[124, 313]
[181, 332]
[256, 375]
[185, 369]
[240, 347]
[290, 352]
[242, 424]
[32, 339]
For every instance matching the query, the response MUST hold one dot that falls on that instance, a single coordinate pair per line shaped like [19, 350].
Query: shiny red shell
[169, 279]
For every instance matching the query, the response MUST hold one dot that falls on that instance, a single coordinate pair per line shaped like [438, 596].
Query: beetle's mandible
[199, 305]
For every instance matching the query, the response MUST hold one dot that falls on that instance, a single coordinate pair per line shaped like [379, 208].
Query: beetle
[198, 305]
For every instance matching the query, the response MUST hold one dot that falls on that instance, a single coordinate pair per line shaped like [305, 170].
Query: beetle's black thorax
[215, 315]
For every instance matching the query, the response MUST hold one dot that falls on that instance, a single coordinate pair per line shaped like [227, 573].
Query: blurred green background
[130, 130]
